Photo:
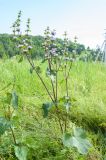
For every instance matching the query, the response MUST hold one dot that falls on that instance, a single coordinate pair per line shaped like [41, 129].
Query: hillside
[8, 48]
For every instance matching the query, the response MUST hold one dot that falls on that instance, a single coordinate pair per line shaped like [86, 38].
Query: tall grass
[87, 85]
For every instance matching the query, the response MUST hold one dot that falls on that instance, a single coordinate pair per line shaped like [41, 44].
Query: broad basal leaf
[78, 140]
[21, 152]
[4, 125]
[79, 132]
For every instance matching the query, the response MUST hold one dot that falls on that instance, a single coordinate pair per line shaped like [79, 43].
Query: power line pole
[104, 49]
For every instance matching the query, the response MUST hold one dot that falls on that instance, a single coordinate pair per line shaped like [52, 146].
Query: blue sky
[84, 18]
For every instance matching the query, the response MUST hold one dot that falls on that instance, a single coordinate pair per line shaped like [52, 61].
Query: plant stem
[56, 81]
[69, 70]
[51, 80]
[33, 67]
[55, 102]
[13, 136]
[56, 99]
[67, 102]
[66, 81]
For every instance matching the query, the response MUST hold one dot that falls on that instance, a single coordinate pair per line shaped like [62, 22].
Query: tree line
[8, 48]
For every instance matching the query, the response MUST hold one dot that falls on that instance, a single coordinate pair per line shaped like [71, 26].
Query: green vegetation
[51, 107]
[40, 135]
[8, 48]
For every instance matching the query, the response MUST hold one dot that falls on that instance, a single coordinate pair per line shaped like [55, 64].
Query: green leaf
[20, 59]
[38, 69]
[14, 100]
[79, 132]
[78, 141]
[21, 152]
[4, 125]
[66, 139]
[9, 97]
[31, 70]
[81, 144]
[46, 107]
[67, 105]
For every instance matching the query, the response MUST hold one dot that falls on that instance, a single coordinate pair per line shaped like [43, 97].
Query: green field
[87, 85]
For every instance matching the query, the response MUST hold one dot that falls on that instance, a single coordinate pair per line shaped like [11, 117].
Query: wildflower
[53, 51]
[53, 33]
[29, 47]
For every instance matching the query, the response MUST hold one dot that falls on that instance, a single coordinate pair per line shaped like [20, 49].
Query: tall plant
[59, 62]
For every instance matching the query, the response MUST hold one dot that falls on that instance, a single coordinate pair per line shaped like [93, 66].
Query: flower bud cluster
[55, 50]
[50, 45]
[23, 42]
[65, 45]
[28, 27]
[25, 46]
[16, 24]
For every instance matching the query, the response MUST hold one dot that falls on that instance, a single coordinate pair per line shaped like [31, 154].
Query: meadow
[87, 87]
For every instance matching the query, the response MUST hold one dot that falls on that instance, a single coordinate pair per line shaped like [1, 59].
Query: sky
[85, 19]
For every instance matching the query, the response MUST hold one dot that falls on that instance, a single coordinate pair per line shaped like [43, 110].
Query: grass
[87, 85]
